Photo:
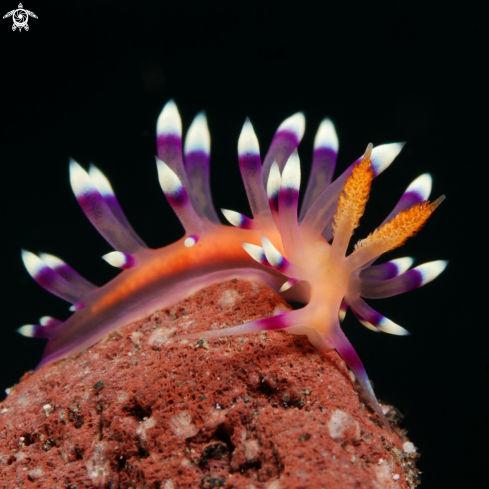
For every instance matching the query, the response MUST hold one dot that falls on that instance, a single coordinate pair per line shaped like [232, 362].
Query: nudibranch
[301, 254]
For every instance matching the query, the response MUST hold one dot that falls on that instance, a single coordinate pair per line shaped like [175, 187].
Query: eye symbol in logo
[20, 16]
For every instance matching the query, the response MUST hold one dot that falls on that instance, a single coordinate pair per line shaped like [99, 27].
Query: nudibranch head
[302, 253]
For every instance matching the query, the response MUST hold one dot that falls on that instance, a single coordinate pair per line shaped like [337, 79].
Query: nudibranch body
[303, 255]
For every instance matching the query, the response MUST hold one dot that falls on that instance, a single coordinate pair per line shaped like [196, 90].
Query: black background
[89, 78]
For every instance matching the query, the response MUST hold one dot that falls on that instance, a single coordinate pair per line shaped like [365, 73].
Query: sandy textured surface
[139, 410]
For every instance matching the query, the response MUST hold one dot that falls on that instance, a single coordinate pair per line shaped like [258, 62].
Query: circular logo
[20, 19]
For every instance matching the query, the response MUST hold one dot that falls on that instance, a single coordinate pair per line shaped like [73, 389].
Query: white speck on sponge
[408, 447]
[251, 450]
[396, 477]
[342, 427]
[274, 485]
[182, 425]
[385, 408]
[144, 427]
[48, 409]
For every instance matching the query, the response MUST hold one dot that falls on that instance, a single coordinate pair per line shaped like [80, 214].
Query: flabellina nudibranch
[302, 255]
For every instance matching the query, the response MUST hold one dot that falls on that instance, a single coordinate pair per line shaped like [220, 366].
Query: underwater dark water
[88, 81]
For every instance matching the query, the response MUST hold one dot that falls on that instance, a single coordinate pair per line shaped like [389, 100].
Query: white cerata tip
[32, 263]
[388, 326]
[287, 285]
[295, 123]
[51, 261]
[291, 174]
[27, 330]
[233, 217]
[429, 271]
[248, 142]
[169, 121]
[198, 137]
[45, 320]
[274, 181]
[79, 180]
[421, 185]
[100, 181]
[326, 136]
[191, 241]
[369, 326]
[383, 155]
[403, 264]
[256, 252]
[273, 256]
[169, 181]
[115, 258]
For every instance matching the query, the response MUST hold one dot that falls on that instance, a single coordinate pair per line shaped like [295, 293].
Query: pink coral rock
[140, 410]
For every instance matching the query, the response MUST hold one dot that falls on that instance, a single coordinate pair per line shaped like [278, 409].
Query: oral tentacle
[281, 321]
[349, 355]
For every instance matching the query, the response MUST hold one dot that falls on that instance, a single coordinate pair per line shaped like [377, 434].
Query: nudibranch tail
[302, 253]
